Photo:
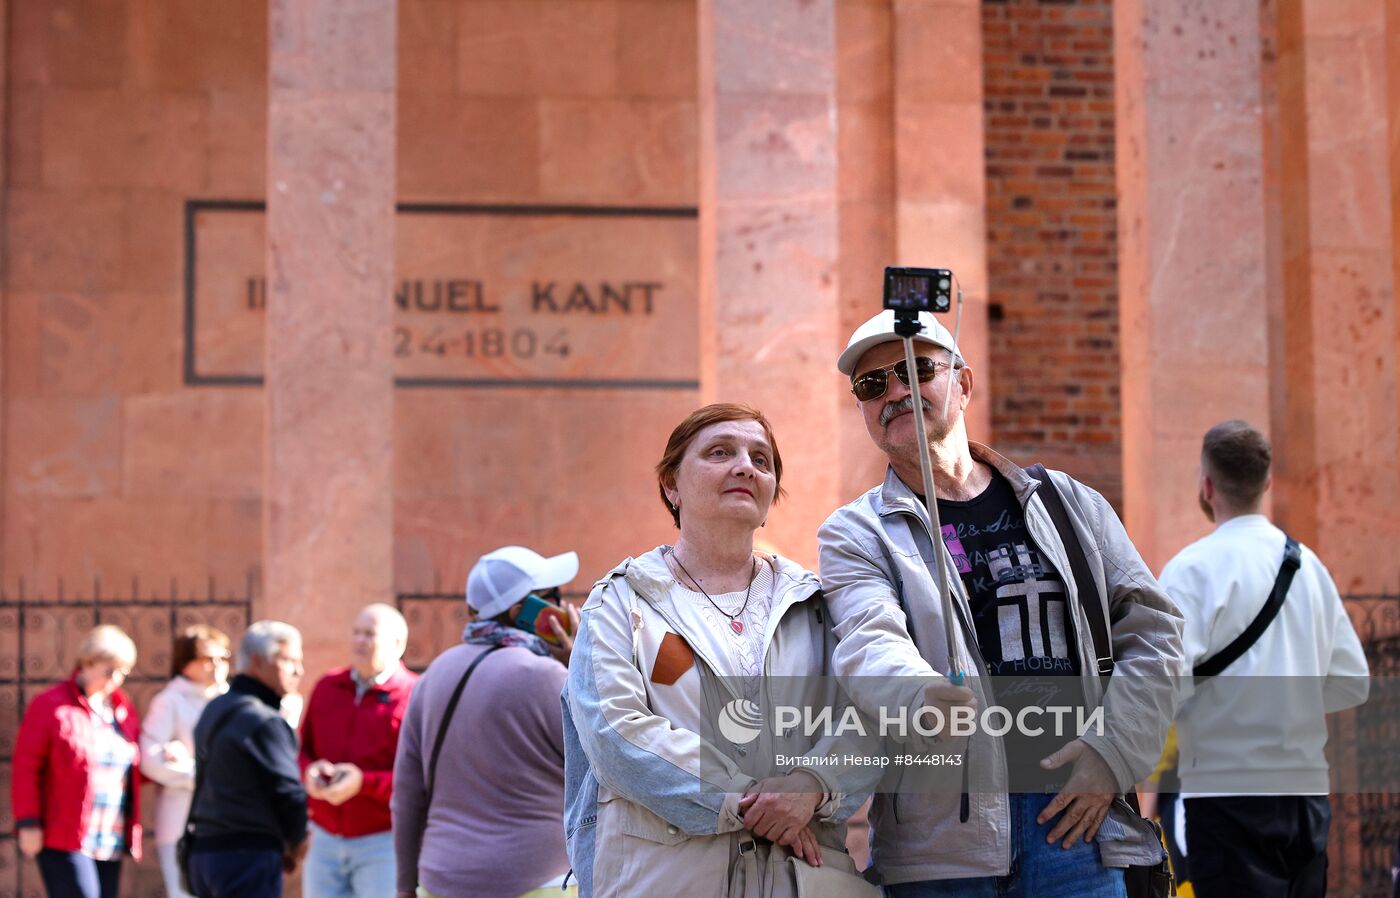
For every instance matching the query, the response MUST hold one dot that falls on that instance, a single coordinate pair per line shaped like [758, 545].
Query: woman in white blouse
[199, 666]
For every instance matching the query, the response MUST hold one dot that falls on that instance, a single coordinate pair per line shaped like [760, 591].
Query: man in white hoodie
[1254, 726]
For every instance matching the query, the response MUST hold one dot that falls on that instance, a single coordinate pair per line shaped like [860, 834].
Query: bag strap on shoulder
[1084, 581]
[447, 721]
[1292, 560]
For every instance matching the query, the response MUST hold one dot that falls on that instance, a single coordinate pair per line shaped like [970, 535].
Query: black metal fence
[436, 621]
[39, 635]
[1365, 825]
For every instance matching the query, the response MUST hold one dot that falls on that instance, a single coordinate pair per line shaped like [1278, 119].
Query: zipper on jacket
[959, 599]
[974, 651]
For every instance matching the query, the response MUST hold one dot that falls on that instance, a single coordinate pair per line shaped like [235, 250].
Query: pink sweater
[495, 826]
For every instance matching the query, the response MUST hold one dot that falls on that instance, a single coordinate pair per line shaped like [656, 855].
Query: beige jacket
[167, 751]
[652, 804]
[878, 571]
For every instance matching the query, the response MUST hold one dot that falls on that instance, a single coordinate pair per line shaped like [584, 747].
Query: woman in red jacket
[74, 787]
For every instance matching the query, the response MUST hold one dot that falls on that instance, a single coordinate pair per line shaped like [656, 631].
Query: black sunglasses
[873, 384]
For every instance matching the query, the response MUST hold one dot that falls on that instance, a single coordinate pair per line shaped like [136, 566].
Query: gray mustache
[900, 407]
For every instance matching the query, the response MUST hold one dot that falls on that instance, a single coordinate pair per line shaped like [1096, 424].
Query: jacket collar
[387, 681]
[246, 685]
[118, 698]
[76, 693]
[186, 686]
[896, 495]
[1242, 522]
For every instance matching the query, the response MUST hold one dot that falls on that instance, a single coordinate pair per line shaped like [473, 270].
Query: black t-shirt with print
[1021, 615]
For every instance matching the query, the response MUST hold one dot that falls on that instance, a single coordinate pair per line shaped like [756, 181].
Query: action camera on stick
[909, 291]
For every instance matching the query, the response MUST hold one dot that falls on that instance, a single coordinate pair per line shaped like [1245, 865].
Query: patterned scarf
[488, 632]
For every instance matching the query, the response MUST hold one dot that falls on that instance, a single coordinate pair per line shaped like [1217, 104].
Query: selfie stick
[906, 329]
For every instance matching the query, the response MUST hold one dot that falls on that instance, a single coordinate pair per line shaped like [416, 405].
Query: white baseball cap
[880, 329]
[506, 576]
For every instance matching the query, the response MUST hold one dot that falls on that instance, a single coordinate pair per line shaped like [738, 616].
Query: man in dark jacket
[249, 810]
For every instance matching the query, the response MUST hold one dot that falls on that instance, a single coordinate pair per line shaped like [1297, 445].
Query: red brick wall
[1052, 232]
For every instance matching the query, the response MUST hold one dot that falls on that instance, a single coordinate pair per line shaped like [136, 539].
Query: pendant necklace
[734, 623]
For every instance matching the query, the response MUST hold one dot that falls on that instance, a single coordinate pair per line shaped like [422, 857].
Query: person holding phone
[484, 820]
[349, 734]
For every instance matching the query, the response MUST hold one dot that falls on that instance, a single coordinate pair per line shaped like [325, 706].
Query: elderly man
[1020, 610]
[248, 817]
[349, 737]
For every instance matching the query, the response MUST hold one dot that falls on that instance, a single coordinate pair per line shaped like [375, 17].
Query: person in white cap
[478, 799]
[1032, 805]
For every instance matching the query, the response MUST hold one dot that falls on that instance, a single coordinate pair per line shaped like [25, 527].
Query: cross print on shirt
[1030, 610]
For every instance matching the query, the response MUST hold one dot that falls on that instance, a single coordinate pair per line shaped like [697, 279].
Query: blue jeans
[248, 873]
[1038, 869]
[72, 874]
[359, 867]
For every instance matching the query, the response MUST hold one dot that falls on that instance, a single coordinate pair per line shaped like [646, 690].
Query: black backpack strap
[447, 722]
[1084, 581]
[1292, 559]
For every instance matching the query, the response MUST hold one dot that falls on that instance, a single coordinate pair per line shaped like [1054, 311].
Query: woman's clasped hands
[780, 809]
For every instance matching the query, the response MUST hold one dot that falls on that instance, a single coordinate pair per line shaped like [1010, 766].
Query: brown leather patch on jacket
[673, 659]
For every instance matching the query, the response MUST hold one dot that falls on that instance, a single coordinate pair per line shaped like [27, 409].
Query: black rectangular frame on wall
[194, 378]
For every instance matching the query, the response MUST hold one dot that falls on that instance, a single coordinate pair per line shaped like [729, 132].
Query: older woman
[75, 783]
[647, 785]
[199, 663]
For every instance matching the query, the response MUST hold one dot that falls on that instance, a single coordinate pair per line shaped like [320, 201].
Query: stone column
[769, 319]
[940, 166]
[4, 291]
[1339, 289]
[328, 507]
[1191, 250]
[1392, 59]
[865, 179]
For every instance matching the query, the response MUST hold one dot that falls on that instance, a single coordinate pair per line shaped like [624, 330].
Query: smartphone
[535, 616]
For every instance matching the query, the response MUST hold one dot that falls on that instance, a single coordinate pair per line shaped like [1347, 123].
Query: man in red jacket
[348, 739]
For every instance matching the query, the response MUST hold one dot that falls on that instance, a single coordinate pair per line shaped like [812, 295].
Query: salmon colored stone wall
[769, 323]
[940, 170]
[1339, 287]
[865, 175]
[120, 112]
[328, 525]
[1257, 273]
[590, 102]
[113, 469]
[1192, 251]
